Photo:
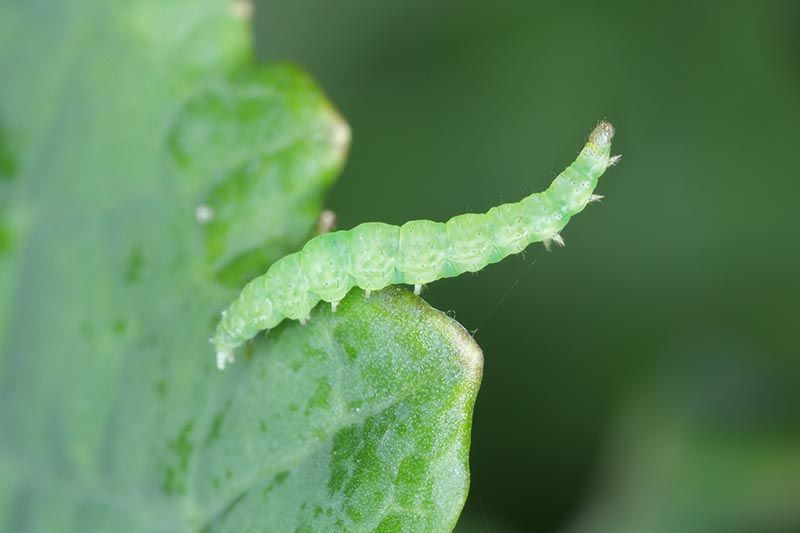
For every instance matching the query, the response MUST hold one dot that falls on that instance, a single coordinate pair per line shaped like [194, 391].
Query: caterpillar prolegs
[374, 255]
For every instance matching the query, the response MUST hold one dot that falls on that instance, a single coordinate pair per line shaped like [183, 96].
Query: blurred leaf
[270, 144]
[144, 168]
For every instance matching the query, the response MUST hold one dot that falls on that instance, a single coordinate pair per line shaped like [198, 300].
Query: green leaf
[146, 168]
[270, 144]
[364, 418]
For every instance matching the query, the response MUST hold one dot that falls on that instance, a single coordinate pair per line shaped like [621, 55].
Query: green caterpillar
[374, 255]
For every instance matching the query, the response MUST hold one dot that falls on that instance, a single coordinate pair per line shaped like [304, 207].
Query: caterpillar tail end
[224, 357]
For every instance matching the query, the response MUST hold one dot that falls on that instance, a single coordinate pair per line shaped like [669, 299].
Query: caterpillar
[373, 255]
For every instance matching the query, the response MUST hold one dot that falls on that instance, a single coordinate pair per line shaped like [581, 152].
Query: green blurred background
[645, 377]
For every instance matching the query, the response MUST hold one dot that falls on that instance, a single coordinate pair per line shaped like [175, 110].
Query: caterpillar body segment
[374, 255]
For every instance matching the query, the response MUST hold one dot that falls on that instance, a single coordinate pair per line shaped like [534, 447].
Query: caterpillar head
[601, 136]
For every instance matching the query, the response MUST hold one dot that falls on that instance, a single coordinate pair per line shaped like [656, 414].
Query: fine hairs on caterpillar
[374, 255]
